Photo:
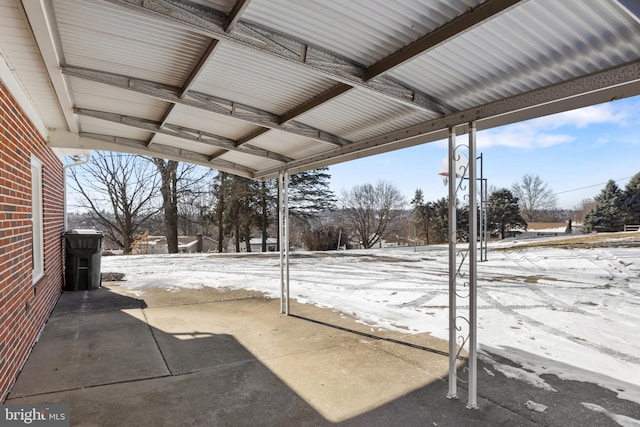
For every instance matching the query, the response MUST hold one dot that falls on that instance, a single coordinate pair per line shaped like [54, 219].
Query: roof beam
[267, 42]
[205, 102]
[429, 41]
[183, 133]
[158, 150]
[232, 20]
[42, 21]
[314, 102]
[300, 109]
[234, 16]
[602, 86]
[197, 70]
[460, 24]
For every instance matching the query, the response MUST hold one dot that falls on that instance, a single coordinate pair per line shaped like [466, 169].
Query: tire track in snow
[558, 332]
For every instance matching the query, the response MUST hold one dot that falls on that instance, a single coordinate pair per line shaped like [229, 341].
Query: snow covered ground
[574, 312]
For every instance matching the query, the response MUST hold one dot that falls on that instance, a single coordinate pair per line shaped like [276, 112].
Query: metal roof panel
[358, 115]
[96, 96]
[362, 30]
[100, 36]
[290, 145]
[247, 160]
[267, 84]
[194, 118]
[19, 51]
[536, 44]
[97, 126]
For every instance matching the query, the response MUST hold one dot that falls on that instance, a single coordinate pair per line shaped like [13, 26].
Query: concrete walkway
[228, 358]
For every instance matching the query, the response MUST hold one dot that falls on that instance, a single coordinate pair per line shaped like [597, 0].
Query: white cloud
[610, 113]
[538, 133]
[521, 135]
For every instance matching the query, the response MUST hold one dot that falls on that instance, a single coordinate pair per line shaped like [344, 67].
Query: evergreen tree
[421, 217]
[309, 194]
[440, 220]
[503, 212]
[607, 214]
[631, 201]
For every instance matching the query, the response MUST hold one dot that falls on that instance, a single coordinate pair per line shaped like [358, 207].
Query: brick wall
[25, 306]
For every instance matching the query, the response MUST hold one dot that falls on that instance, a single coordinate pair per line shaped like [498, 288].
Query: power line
[591, 186]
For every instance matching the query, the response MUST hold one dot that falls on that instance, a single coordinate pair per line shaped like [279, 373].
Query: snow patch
[522, 375]
[623, 420]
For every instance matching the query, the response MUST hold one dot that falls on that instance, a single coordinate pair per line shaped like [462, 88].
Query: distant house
[256, 245]
[154, 245]
[550, 229]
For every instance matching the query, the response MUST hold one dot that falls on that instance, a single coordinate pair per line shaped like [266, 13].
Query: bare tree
[534, 195]
[583, 207]
[177, 180]
[119, 191]
[369, 210]
[196, 210]
[168, 170]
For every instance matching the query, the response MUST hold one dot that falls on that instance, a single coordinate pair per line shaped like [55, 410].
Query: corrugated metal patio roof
[255, 87]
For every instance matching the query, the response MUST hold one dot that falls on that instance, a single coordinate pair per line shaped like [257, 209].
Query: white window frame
[37, 226]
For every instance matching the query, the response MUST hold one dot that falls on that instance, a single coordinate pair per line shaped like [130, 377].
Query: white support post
[453, 351]
[283, 229]
[473, 264]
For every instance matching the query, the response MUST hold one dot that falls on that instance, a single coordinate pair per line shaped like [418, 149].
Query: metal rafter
[602, 86]
[169, 152]
[301, 109]
[314, 102]
[267, 42]
[40, 16]
[183, 133]
[205, 102]
[233, 18]
[456, 26]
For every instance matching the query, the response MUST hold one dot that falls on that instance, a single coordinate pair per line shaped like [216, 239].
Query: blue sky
[569, 151]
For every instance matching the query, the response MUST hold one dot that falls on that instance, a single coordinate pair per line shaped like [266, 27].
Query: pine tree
[503, 212]
[309, 194]
[607, 214]
[421, 218]
[631, 201]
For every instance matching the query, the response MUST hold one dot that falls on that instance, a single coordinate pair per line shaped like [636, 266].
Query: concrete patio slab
[227, 358]
[82, 348]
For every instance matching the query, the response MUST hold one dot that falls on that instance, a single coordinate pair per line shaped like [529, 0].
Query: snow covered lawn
[570, 312]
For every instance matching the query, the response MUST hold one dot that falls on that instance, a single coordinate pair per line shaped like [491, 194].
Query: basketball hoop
[462, 163]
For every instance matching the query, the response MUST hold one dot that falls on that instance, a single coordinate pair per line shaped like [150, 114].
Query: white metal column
[473, 265]
[463, 328]
[283, 229]
[453, 267]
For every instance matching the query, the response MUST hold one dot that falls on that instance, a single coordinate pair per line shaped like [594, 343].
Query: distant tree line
[127, 196]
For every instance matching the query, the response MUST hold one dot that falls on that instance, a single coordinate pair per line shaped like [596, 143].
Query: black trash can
[83, 250]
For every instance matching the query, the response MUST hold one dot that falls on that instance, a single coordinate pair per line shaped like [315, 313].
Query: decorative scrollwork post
[463, 329]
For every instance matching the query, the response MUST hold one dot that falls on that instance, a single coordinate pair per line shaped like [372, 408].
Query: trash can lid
[84, 231]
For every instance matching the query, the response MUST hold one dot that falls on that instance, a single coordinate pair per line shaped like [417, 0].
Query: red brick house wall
[25, 305]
